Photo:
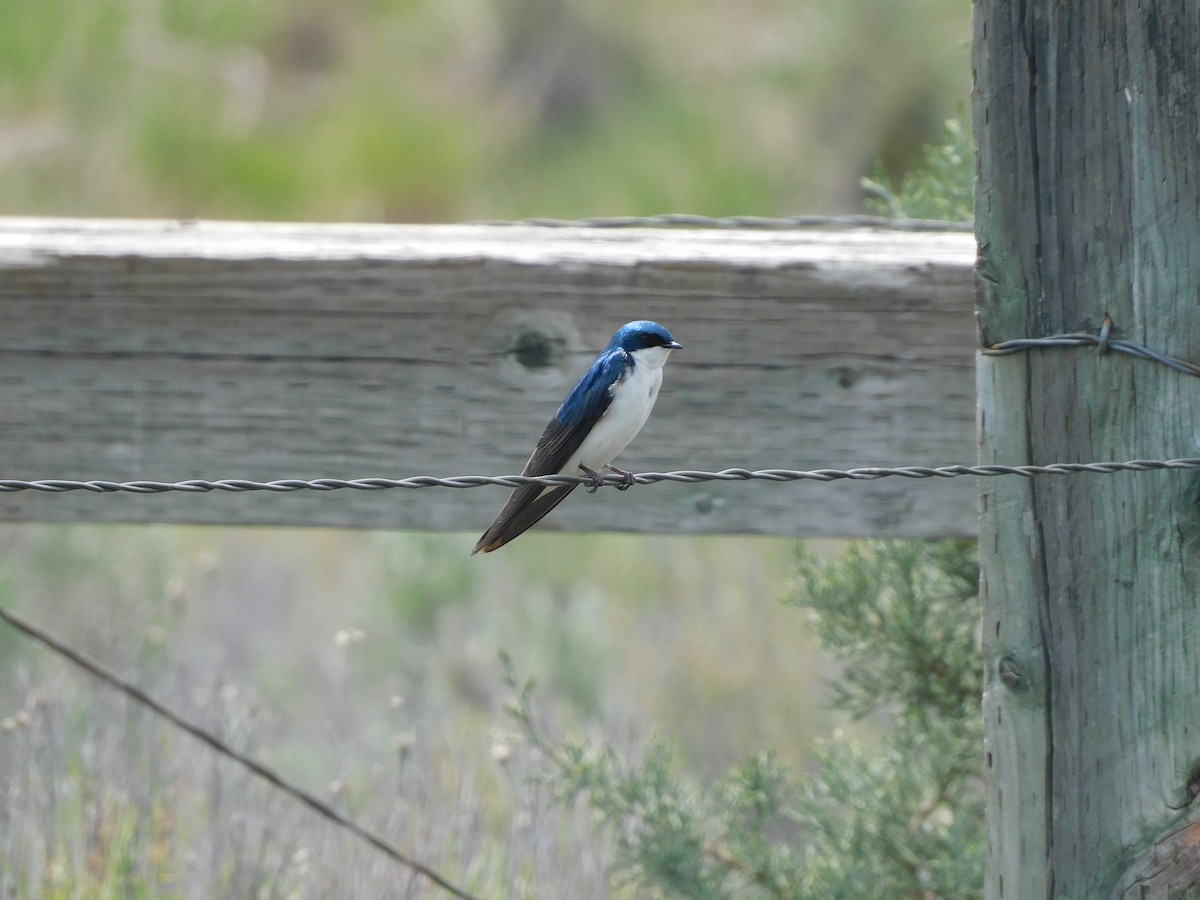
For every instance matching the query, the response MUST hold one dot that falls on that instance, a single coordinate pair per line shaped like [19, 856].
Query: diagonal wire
[685, 476]
[112, 679]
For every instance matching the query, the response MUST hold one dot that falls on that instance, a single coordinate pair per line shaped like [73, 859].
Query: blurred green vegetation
[414, 110]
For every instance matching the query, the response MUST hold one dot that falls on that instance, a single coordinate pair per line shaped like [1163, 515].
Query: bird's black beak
[674, 345]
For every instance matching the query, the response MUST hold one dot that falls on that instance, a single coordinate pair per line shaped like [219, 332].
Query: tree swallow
[599, 418]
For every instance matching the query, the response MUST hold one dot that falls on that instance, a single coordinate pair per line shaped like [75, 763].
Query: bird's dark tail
[526, 507]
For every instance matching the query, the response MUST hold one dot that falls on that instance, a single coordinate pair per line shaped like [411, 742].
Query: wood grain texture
[1167, 870]
[1086, 118]
[168, 351]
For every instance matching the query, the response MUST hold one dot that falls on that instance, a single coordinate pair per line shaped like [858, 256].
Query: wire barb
[685, 476]
[137, 695]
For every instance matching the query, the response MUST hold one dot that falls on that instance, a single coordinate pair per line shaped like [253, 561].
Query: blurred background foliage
[364, 665]
[411, 111]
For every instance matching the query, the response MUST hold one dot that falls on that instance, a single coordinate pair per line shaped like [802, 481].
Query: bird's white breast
[632, 399]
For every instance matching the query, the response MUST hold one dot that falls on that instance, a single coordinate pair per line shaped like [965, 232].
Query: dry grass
[364, 667]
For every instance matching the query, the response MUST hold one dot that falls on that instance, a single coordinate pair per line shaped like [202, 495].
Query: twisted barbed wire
[137, 695]
[761, 223]
[685, 476]
[1103, 341]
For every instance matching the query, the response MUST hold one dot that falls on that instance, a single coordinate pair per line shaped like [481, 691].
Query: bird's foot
[595, 479]
[628, 476]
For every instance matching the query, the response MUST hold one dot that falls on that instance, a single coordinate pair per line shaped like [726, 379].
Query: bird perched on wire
[602, 414]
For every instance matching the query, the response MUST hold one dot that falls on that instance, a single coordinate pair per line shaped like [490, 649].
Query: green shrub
[900, 815]
[942, 186]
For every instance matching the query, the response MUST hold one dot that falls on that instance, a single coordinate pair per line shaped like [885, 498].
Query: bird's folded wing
[577, 415]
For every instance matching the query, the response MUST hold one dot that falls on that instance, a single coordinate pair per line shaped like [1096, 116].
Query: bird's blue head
[642, 335]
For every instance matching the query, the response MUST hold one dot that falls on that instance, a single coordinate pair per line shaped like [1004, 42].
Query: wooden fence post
[1087, 117]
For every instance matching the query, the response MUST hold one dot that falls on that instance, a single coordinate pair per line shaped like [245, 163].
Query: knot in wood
[534, 350]
[845, 376]
[1012, 674]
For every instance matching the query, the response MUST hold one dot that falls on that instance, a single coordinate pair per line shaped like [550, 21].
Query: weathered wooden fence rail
[163, 350]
